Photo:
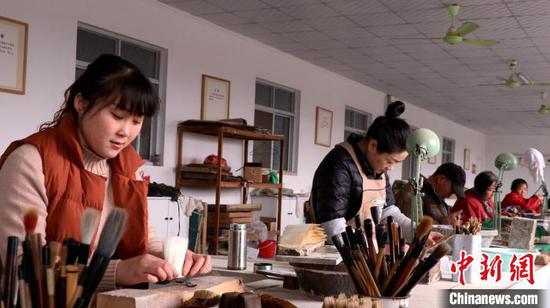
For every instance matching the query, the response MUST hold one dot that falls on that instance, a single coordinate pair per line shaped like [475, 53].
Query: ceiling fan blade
[539, 84]
[482, 43]
[416, 38]
[467, 27]
[502, 79]
[524, 79]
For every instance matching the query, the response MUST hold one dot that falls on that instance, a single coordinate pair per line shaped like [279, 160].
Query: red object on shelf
[267, 249]
[213, 160]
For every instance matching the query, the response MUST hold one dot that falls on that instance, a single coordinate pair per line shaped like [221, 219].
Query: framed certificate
[13, 55]
[215, 98]
[323, 127]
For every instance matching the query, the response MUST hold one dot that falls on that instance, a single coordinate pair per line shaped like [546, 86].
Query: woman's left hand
[196, 264]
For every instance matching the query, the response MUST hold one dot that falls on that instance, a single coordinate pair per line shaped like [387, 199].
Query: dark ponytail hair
[389, 131]
[517, 183]
[483, 181]
[112, 80]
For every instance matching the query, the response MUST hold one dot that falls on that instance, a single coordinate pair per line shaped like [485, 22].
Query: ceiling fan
[516, 79]
[456, 35]
[543, 109]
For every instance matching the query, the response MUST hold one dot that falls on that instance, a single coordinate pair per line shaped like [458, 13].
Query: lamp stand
[496, 215]
[416, 183]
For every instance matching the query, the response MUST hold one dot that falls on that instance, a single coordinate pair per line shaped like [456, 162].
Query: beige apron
[374, 190]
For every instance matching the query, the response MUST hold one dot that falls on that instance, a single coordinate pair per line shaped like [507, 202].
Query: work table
[422, 295]
[222, 280]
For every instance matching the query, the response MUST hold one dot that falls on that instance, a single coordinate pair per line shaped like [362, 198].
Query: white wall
[195, 47]
[517, 145]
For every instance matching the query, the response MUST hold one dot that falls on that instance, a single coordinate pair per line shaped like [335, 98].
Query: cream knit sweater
[22, 187]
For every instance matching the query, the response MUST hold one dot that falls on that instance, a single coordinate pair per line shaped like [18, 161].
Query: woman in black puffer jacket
[353, 175]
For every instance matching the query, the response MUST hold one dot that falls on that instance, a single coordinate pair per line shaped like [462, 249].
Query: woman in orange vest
[84, 158]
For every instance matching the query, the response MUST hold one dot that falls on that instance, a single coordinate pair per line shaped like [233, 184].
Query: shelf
[225, 184]
[208, 183]
[264, 185]
[228, 131]
[222, 131]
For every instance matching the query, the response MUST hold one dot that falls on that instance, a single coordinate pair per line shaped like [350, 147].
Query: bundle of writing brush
[58, 275]
[384, 269]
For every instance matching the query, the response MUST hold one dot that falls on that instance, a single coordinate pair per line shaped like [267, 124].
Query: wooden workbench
[421, 296]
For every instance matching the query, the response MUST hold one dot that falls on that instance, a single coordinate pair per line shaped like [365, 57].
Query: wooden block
[167, 297]
[522, 233]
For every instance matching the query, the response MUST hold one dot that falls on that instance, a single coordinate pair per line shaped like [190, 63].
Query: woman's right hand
[144, 268]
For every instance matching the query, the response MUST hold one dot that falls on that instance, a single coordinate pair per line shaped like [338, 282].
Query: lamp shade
[426, 140]
[506, 161]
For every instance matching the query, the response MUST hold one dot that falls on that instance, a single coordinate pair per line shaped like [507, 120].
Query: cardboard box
[252, 172]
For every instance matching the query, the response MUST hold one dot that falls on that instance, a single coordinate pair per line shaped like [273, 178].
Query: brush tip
[441, 250]
[29, 220]
[88, 224]
[424, 227]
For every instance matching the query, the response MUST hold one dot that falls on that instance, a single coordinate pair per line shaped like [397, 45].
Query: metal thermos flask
[236, 258]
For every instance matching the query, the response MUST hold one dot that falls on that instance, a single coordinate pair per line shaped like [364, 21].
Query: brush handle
[72, 282]
[420, 271]
[378, 264]
[10, 279]
[90, 279]
[83, 253]
[50, 286]
[346, 257]
[24, 295]
[401, 276]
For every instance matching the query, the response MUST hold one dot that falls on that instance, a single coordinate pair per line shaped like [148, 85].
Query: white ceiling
[359, 39]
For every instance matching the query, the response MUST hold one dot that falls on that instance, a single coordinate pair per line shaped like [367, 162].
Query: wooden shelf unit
[223, 132]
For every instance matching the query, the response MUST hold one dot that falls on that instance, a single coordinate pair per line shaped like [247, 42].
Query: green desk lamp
[421, 144]
[503, 162]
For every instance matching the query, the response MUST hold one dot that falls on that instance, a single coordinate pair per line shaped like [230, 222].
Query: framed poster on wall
[323, 127]
[13, 55]
[215, 98]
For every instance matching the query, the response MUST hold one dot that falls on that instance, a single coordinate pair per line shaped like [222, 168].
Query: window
[448, 151]
[151, 60]
[277, 111]
[356, 122]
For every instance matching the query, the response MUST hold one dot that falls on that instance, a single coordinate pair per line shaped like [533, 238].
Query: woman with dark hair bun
[353, 176]
[478, 201]
[84, 158]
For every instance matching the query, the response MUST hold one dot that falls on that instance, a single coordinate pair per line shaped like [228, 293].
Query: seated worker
[515, 197]
[478, 202]
[85, 158]
[447, 180]
[353, 176]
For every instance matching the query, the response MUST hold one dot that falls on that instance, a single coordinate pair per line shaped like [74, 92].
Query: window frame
[445, 152]
[353, 129]
[294, 123]
[157, 137]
